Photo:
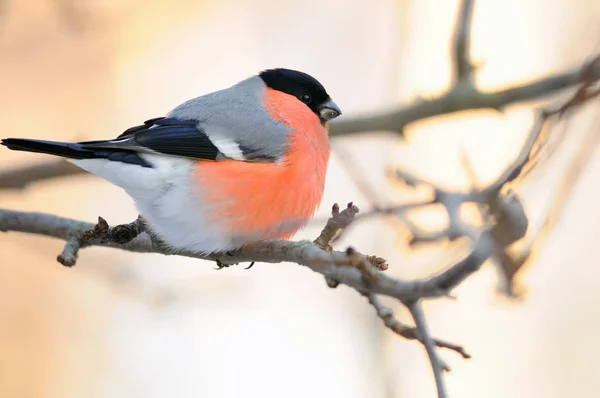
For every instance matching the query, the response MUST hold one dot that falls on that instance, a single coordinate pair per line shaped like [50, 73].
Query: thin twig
[337, 223]
[68, 257]
[463, 67]
[406, 331]
[580, 161]
[419, 318]
[334, 226]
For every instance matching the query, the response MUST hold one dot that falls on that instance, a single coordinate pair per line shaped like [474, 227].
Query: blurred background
[130, 325]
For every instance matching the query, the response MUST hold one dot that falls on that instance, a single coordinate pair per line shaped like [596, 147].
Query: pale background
[124, 325]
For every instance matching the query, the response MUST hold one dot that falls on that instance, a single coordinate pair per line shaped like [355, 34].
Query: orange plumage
[271, 200]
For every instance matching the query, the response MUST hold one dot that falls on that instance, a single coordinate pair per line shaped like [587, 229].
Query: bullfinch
[222, 170]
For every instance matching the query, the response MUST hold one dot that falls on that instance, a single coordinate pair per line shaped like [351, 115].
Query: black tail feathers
[74, 151]
[64, 149]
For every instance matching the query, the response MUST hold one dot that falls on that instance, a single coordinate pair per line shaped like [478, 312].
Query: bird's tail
[64, 149]
[76, 151]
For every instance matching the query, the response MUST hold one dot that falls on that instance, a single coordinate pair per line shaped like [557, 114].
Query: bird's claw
[221, 265]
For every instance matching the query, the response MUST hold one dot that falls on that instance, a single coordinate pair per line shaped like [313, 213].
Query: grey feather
[237, 114]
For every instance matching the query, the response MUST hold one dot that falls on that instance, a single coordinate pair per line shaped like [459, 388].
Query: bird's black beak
[328, 111]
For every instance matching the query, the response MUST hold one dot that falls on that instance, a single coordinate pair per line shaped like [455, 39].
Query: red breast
[270, 200]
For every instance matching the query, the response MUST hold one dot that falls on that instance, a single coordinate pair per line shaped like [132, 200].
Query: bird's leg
[229, 253]
[124, 233]
[221, 265]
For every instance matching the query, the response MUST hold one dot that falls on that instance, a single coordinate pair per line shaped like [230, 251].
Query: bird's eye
[306, 98]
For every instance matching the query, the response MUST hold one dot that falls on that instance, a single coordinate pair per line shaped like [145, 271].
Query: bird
[223, 170]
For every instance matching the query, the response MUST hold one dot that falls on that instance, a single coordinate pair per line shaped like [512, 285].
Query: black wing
[147, 124]
[163, 135]
[168, 136]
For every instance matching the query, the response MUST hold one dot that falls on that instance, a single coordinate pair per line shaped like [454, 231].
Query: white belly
[166, 198]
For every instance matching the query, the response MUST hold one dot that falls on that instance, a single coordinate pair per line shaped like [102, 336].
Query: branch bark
[356, 270]
[463, 66]
[407, 331]
[22, 177]
[337, 265]
[462, 97]
[417, 314]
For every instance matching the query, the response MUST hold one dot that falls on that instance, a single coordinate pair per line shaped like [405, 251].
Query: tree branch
[463, 67]
[335, 225]
[20, 178]
[406, 331]
[356, 270]
[436, 366]
[337, 265]
[460, 98]
[508, 220]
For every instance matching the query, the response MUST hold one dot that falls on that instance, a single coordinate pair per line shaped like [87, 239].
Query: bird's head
[305, 88]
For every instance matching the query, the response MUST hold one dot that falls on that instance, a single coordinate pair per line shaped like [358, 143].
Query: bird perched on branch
[222, 170]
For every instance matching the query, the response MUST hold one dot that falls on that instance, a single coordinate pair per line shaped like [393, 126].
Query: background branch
[461, 98]
[463, 66]
[22, 177]
[338, 265]
[417, 313]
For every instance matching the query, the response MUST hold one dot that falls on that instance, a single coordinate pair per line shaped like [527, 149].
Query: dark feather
[178, 138]
[74, 151]
[135, 129]
[168, 136]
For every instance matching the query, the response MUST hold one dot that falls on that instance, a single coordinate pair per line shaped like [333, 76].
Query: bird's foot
[221, 265]
[124, 233]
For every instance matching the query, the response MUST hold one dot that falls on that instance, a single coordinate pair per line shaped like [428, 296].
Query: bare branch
[463, 67]
[464, 97]
[406, 331]
[514, 169]
[504, 210]
[334, 227]
[68, 257]
[335, 264]
[337, 223]
[509, 222]
[436, 366]
[20, 178]
[579, 162]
